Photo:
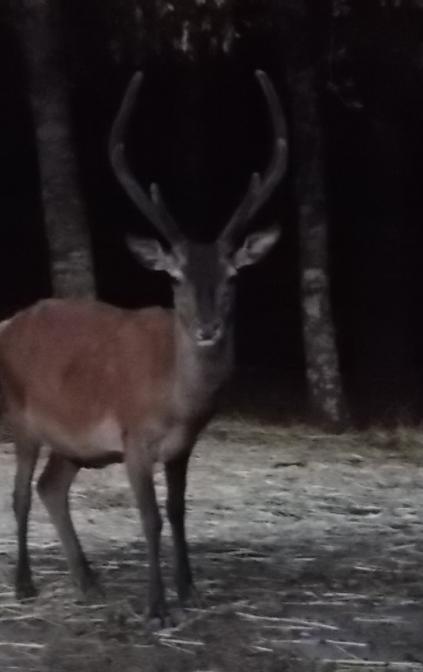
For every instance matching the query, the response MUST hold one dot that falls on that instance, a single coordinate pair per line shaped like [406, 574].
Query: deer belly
[100, 442]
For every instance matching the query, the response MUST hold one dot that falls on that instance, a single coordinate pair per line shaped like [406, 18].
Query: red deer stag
[98, 384]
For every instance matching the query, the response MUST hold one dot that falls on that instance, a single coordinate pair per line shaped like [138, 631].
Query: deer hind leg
[53, 487]
[140, 474]
[176, 477]
[26, 458]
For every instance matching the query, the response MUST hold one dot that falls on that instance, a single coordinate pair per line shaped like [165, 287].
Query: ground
[307, 549]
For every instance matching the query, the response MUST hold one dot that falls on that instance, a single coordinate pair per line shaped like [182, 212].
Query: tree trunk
[322, 363]
[64, 214]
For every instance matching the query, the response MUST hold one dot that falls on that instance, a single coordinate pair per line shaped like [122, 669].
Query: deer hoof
[159, 619]
[26, 591]
[90, 591]
[160, 623]
[190, 598]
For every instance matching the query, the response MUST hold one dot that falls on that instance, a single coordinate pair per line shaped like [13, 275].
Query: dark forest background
[200, 128]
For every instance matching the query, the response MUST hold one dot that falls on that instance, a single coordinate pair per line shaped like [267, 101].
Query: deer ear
[256, 246]
[151, 254]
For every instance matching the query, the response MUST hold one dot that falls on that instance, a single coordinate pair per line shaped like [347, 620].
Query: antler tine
[278, 119]
[260, 188]
[154, 208]
[121, 120]
[157, 198]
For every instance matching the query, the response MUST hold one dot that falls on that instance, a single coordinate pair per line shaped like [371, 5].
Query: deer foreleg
[141, 479]
[176, 476]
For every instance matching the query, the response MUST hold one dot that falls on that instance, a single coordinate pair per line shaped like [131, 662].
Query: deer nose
[209, 334]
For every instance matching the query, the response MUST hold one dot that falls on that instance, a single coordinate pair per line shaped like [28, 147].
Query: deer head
[202, 274]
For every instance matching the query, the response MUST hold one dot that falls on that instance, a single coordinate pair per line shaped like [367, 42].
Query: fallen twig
[280, 619]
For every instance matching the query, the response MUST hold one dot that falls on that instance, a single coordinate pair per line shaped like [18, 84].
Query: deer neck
[200, 372]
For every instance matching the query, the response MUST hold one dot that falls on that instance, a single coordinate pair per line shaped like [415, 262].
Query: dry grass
[308, 551]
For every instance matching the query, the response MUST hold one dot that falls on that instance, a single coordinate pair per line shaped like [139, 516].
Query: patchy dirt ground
[308, 551]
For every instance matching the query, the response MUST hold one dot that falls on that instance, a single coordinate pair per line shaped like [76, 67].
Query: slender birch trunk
[322, 361]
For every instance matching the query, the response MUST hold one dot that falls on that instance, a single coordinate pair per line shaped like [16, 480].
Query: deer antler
[153, 208]
[260, 188]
